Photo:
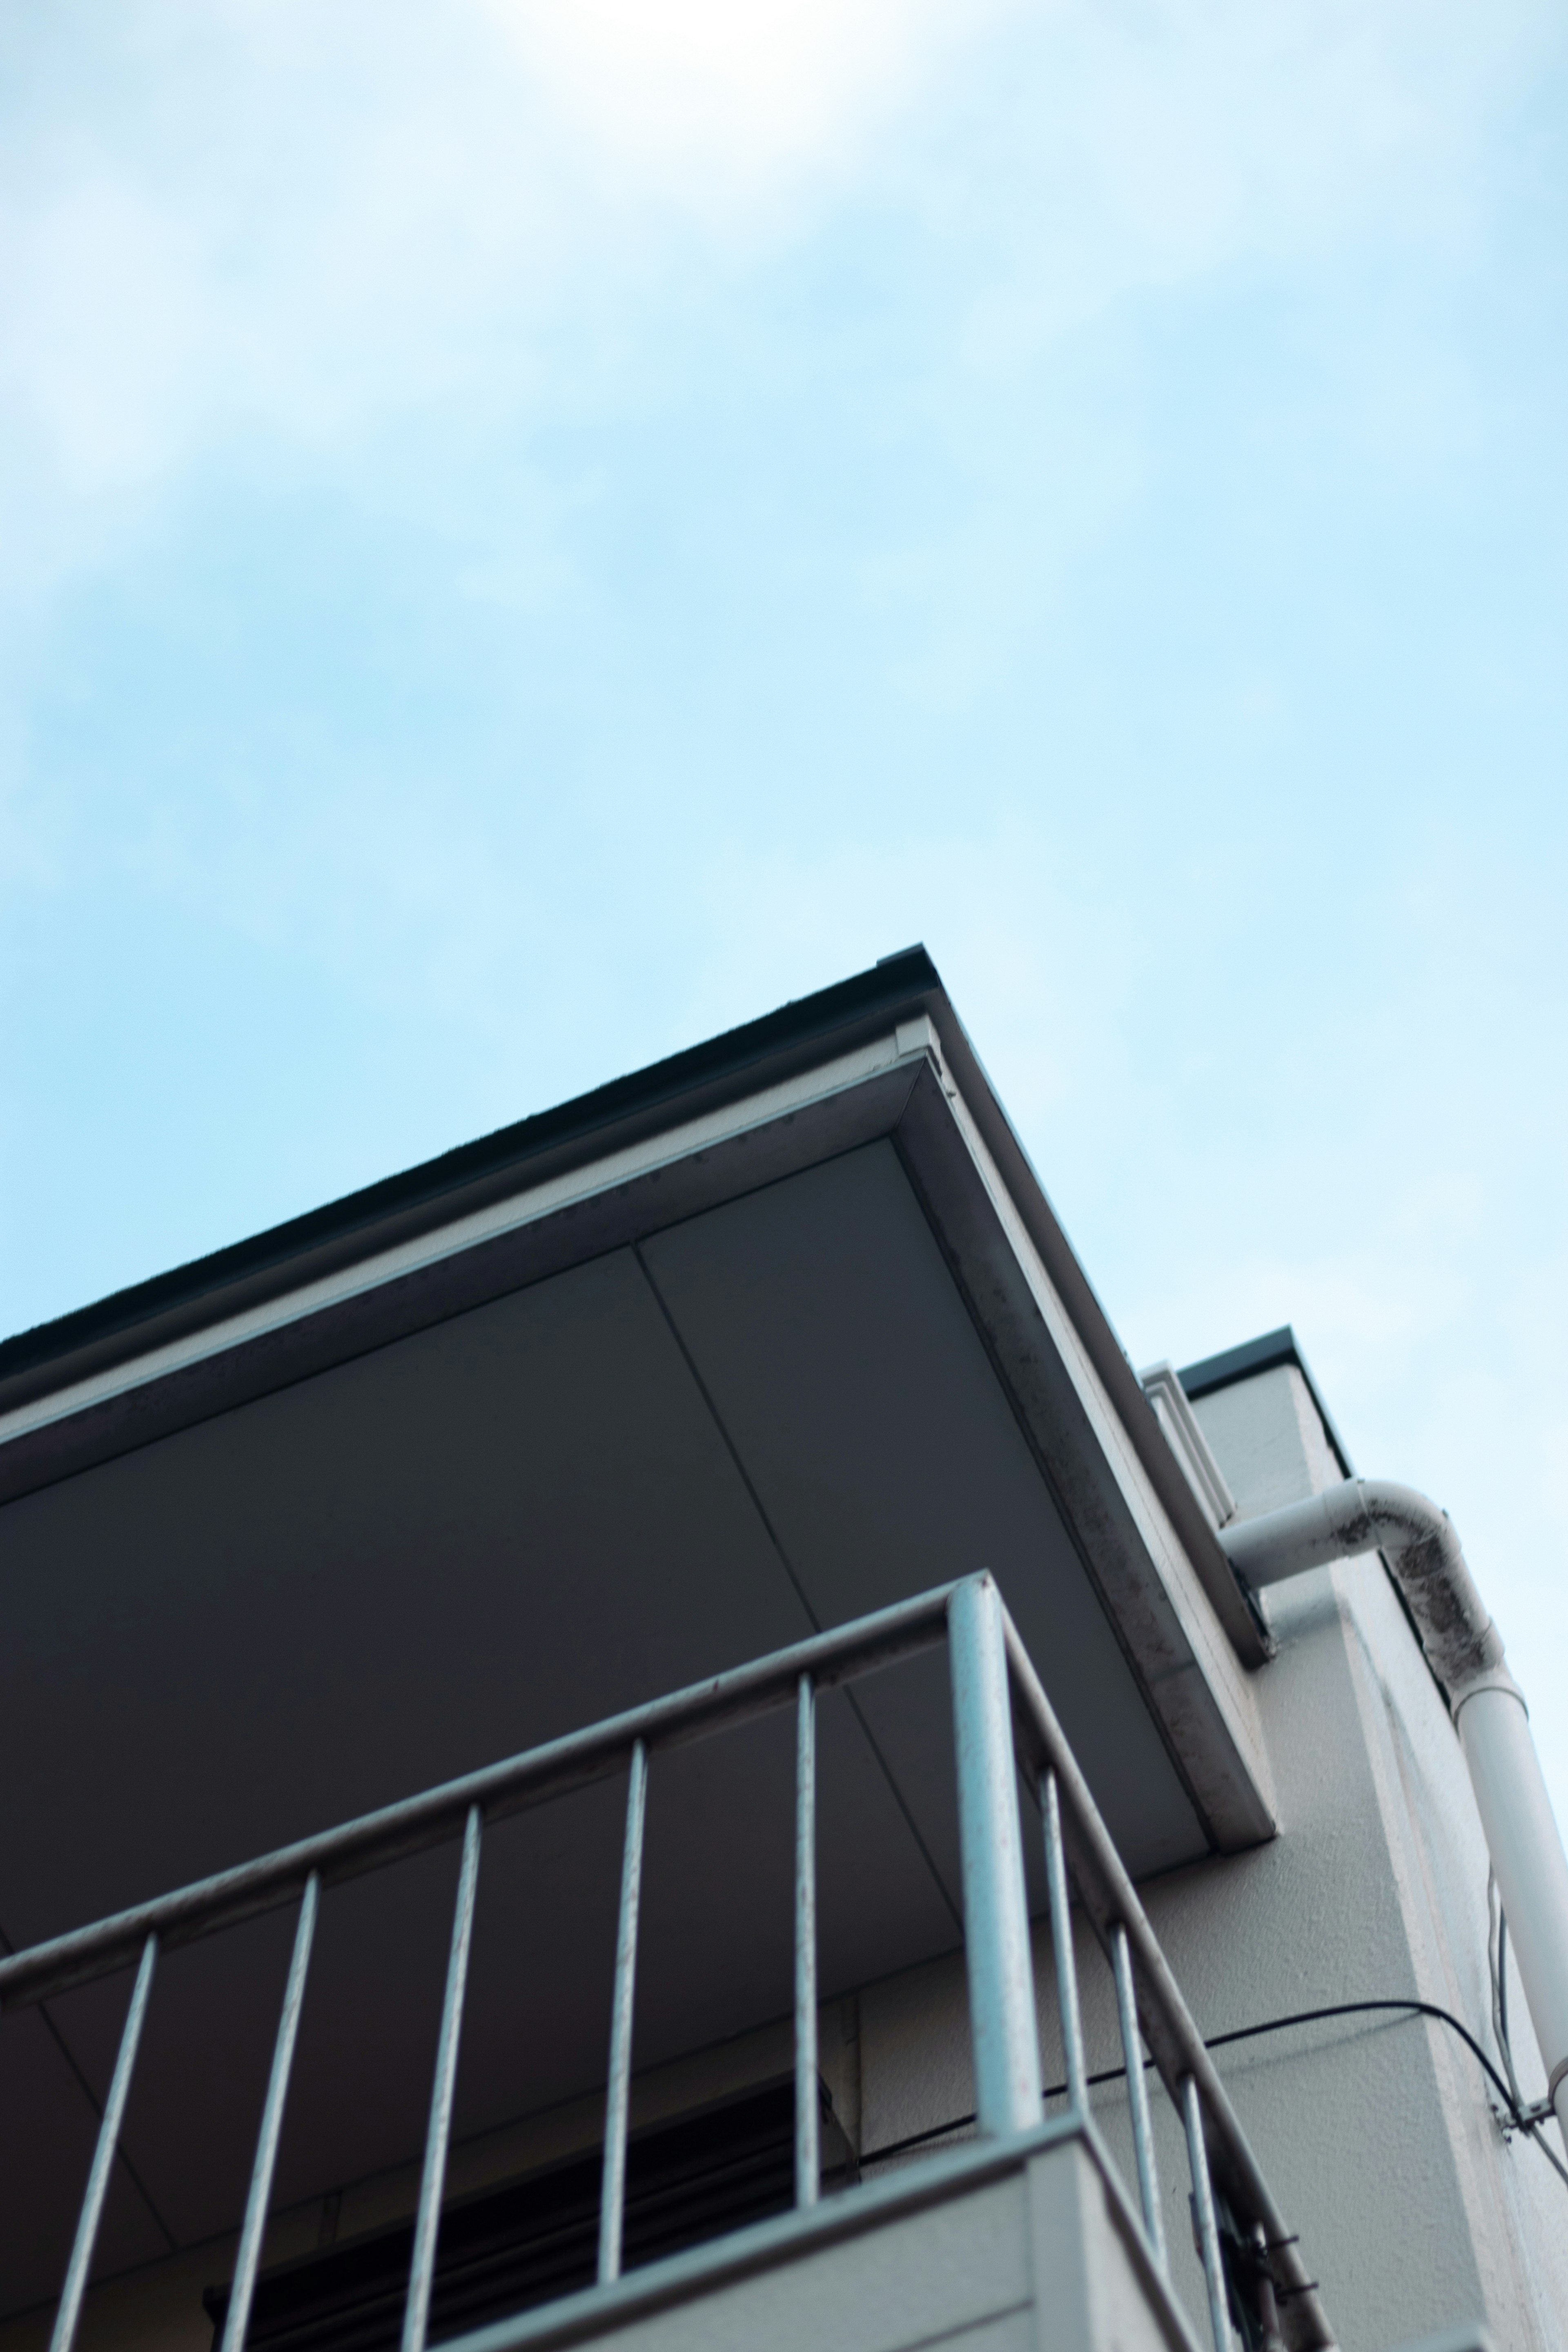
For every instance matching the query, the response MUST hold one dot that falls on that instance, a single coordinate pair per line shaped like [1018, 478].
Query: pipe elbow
[1463, 1646]
[1424, 1550]
[1465, 1651]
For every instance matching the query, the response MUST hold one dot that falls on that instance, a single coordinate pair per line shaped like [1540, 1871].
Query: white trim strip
[524, 1208]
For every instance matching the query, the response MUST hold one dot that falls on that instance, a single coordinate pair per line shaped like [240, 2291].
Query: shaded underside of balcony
[768, 1402]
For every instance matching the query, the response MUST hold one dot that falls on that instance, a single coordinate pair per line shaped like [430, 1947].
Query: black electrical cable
[1250, 2034]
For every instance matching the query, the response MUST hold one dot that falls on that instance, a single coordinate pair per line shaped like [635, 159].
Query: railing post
[807, 2142]
[617, 2095]
[433, 2181]
[242, 2289]
[1061, 1942]
[995, 1915]
[1137, 2090]
[70, 2311]
[1202, 2203]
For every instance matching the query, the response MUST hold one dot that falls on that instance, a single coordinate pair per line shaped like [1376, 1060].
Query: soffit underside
[640, 1469]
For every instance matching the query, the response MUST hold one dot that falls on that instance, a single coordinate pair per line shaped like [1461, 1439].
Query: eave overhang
[880, 1057]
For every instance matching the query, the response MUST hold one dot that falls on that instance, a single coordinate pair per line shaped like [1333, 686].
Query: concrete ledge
[1015, 2246]
[1472, 2338]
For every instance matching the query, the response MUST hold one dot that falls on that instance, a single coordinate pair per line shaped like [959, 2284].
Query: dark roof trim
[1262, 1355]
[1241, 1363]
[364, 1223]
[831, 1024]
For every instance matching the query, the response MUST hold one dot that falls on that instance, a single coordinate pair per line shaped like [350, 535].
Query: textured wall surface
[1378, 2133]
[1040, 2260]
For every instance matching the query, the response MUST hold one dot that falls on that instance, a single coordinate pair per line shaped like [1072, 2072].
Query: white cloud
[232, 222]
[253, 217]
[715, 102]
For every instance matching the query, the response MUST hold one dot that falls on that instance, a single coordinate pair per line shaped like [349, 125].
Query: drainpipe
[1464, 1649]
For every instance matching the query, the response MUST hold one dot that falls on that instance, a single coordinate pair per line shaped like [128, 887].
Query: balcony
[960, 2241]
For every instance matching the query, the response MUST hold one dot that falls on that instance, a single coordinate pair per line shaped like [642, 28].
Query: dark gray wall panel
[847, 1368]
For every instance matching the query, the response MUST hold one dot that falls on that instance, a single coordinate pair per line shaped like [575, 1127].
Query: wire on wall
[1517, 2115]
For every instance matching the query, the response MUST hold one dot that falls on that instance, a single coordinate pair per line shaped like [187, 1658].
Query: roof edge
[138, 1320]
[281, 1257]
[1253, 1357]
[1111, 1363]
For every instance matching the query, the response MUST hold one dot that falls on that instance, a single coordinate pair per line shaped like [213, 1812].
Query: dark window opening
[503, 2250]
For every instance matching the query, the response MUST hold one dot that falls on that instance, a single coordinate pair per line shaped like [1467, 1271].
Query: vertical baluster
[433, 2181]
[613, 2196]
[243, 2286]
[74, 2288]
[1267, 2294]
[807, 2149]
[1208, 2231]
[1137, 2090]
[1061, 1941]
[1001, 2021]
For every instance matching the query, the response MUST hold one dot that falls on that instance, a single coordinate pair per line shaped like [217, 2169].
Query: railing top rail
[435, 1815]
[739, 1695]
[1111, 1900]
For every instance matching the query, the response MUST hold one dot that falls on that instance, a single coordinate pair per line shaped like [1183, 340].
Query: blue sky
[530, 534]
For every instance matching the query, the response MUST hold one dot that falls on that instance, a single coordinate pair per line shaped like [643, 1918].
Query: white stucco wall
[1376, 2133]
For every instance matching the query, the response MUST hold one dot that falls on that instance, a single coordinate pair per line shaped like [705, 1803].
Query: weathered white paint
[1528, 1860]
[1161, 1385]
[1378, 2137]
[1269, 1441]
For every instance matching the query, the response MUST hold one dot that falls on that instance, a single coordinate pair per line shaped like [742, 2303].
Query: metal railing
[1003, 1724]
